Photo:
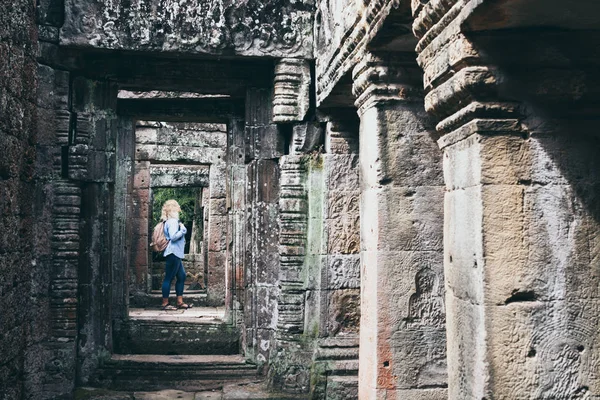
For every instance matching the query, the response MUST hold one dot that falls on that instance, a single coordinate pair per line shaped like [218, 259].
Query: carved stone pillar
[521, 232]
[291, 370]
[334, 211]
[402, 326]
[291, 96]
[91, 167]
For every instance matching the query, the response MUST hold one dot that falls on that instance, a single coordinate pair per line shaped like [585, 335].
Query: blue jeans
[173, 268]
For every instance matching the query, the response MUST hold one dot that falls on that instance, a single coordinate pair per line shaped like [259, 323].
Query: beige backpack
[159, 241]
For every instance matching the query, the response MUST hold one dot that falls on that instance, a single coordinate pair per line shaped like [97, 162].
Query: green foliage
[186, 197]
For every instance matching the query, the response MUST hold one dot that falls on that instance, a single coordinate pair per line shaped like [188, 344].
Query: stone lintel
[179, 175]
[207, 109]
[225, 27]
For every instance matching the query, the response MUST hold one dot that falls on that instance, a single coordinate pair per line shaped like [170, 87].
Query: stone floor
[195, 314]
[255, 391]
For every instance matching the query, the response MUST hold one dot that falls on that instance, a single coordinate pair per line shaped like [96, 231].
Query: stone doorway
[184, 161]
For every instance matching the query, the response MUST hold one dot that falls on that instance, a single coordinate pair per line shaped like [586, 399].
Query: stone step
[342, 387]
[235, 391]
[157, 372]
[140, 336]
[154, 298]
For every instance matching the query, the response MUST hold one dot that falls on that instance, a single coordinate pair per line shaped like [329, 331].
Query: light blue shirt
[176, 237]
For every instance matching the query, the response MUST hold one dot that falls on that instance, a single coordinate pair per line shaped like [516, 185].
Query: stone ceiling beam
[188, 110]
[143, 71]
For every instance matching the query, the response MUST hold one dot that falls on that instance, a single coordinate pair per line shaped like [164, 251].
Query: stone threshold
[194, 314]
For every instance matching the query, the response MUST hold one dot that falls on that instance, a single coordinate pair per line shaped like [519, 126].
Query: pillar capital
[291, 98]
[385, 77]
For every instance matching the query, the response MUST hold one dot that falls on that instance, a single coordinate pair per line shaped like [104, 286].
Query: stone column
[521, 234]
[402, 326]
[334, 195]
[263, 146]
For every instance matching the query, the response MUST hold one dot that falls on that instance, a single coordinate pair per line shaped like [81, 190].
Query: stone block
[178, 154]
[192, 135]
[413, 160]
[178, 176]
[414, 394]
[140, 204]
[266, 303]
[218, 207]
[140, 227]
[217, 233]
[419, 357]
[415, 295]
[141, 178]
[217, 181]
[341, 172]
[53, 88]
[404, 218]
[342, 226]
[463, 252]
[465, 356]
[216, 278]
[270, 141]
[146, 135]
[342, 315]
[342, 272]
[341, 388]
[265, 343]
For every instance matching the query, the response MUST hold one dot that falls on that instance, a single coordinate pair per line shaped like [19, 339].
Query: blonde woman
[175, 233]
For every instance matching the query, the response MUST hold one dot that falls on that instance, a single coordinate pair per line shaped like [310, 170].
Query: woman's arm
[174, 232]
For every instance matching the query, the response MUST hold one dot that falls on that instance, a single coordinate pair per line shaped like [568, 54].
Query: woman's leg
[171, 267]
[181, 275]
[179, 288]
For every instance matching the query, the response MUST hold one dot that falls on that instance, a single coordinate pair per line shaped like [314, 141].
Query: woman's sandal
[184, 306]
[168, 307]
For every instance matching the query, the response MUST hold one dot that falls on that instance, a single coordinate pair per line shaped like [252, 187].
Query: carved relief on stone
[305, 138]
[291, 90]
[252, 27]
[79, 151]
[344, 312]
[343, 223]
[342, 172]
[426, 305]
[343, 272]
[296, 379]
[563, 353]
[292, 243]
[65, 246]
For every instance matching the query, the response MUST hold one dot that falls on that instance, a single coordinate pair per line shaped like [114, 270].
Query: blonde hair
[170, 209]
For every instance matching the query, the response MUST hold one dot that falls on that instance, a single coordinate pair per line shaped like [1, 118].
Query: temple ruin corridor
[383, 199]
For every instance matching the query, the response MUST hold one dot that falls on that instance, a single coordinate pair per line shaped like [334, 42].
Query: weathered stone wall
[271, 28]
[23, 285]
